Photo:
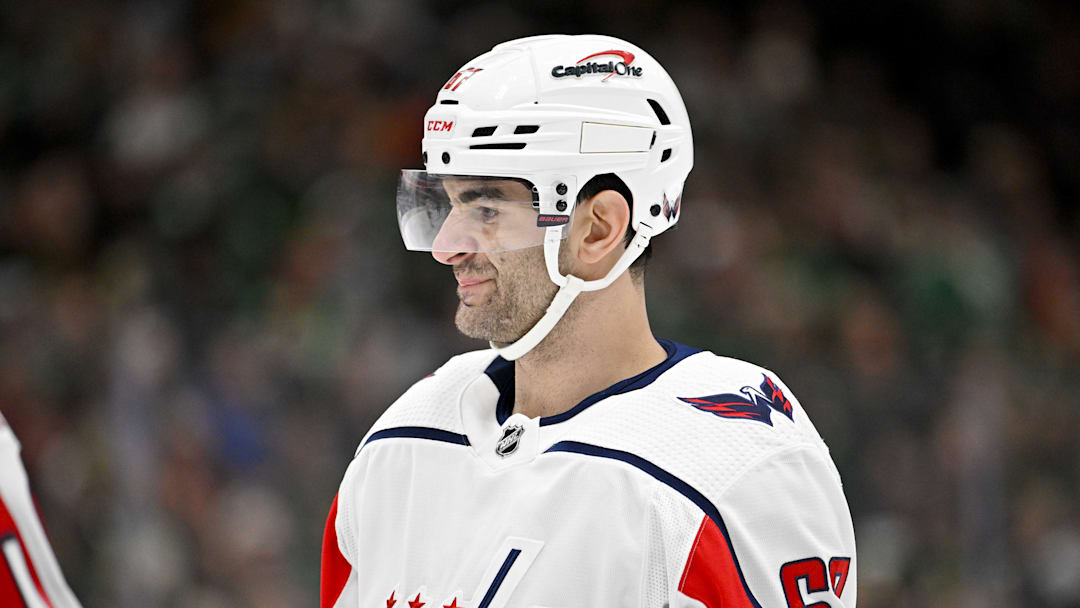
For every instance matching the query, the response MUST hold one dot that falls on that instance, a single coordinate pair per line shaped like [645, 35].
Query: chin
[485, 325]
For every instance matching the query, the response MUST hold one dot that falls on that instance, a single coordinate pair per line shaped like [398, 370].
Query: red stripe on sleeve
[335, 569]
[711, 576]
[10, 594]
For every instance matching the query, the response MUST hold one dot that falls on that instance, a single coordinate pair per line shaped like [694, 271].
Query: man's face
[502, 294]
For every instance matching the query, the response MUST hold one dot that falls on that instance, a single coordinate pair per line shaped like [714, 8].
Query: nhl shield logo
[511, 438]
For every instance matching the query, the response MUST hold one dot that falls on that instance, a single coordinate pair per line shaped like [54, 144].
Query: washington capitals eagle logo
[754, 403]
[670, 210]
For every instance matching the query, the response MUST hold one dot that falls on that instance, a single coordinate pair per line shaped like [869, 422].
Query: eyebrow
[481, 192]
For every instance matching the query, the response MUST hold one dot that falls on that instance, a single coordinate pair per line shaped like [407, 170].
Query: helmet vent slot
[483, 131]
[449, 102]
[525, 129]
[660, 113]
[497, 147]
[666, 154]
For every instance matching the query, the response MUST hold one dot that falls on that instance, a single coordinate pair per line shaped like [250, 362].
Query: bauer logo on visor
[546, 219]
[469, 213]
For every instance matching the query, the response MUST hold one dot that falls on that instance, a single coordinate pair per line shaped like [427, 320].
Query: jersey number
[459, 79]
[20, 572]
[817, 579]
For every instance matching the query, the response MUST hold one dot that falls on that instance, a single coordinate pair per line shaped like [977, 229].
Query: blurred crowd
[204, 299]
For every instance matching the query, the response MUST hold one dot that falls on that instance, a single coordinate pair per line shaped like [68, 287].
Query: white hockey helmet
[517, 132]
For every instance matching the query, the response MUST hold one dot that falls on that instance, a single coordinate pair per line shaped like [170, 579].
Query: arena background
[204, 300]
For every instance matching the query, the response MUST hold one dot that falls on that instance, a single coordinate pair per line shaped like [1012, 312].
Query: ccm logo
[440, 125]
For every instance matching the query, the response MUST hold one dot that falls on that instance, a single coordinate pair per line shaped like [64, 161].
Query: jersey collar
[501, 373]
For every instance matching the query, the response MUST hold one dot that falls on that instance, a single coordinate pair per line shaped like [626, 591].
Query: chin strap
[555, 311]
[569, 288]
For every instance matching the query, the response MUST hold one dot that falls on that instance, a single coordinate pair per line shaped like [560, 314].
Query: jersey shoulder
[708, 420]
[722, 390]
[431, 402]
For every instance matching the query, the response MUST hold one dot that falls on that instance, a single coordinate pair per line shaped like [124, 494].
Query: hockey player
[29, 574]
[579, 461]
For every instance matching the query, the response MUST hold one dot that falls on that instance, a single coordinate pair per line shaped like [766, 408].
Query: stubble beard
[522, 294]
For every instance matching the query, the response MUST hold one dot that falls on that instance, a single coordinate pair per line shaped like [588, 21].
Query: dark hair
[610, 181]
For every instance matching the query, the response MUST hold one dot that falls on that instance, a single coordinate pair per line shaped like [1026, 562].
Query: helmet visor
[467, 213]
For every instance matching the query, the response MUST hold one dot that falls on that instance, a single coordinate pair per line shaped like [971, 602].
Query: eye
[487, 214]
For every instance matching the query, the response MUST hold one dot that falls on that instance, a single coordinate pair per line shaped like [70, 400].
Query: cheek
[518, 265]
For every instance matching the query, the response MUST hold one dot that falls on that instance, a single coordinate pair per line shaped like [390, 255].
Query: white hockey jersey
[700, 482]
[29, 574]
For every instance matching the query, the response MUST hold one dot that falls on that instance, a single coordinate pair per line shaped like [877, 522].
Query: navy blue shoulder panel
[418, 432]
[666, 478]
[501, 373]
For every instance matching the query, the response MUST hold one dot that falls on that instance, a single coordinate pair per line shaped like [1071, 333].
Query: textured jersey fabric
[700, 482]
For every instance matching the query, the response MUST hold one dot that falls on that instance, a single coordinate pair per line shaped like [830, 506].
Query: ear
[603, 222]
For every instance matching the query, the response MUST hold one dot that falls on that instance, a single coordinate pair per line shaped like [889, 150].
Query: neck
[604, 338]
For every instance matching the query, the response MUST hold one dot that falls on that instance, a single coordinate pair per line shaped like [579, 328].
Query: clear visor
[467, 214]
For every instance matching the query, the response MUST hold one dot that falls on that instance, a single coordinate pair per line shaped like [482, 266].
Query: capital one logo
[584, 67]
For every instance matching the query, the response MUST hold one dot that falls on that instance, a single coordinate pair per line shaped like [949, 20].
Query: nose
[449, 258]
[454, 242]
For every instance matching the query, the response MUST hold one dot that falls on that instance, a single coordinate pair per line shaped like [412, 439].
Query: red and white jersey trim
[336, 571]
[711, 575]
[29, 574]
